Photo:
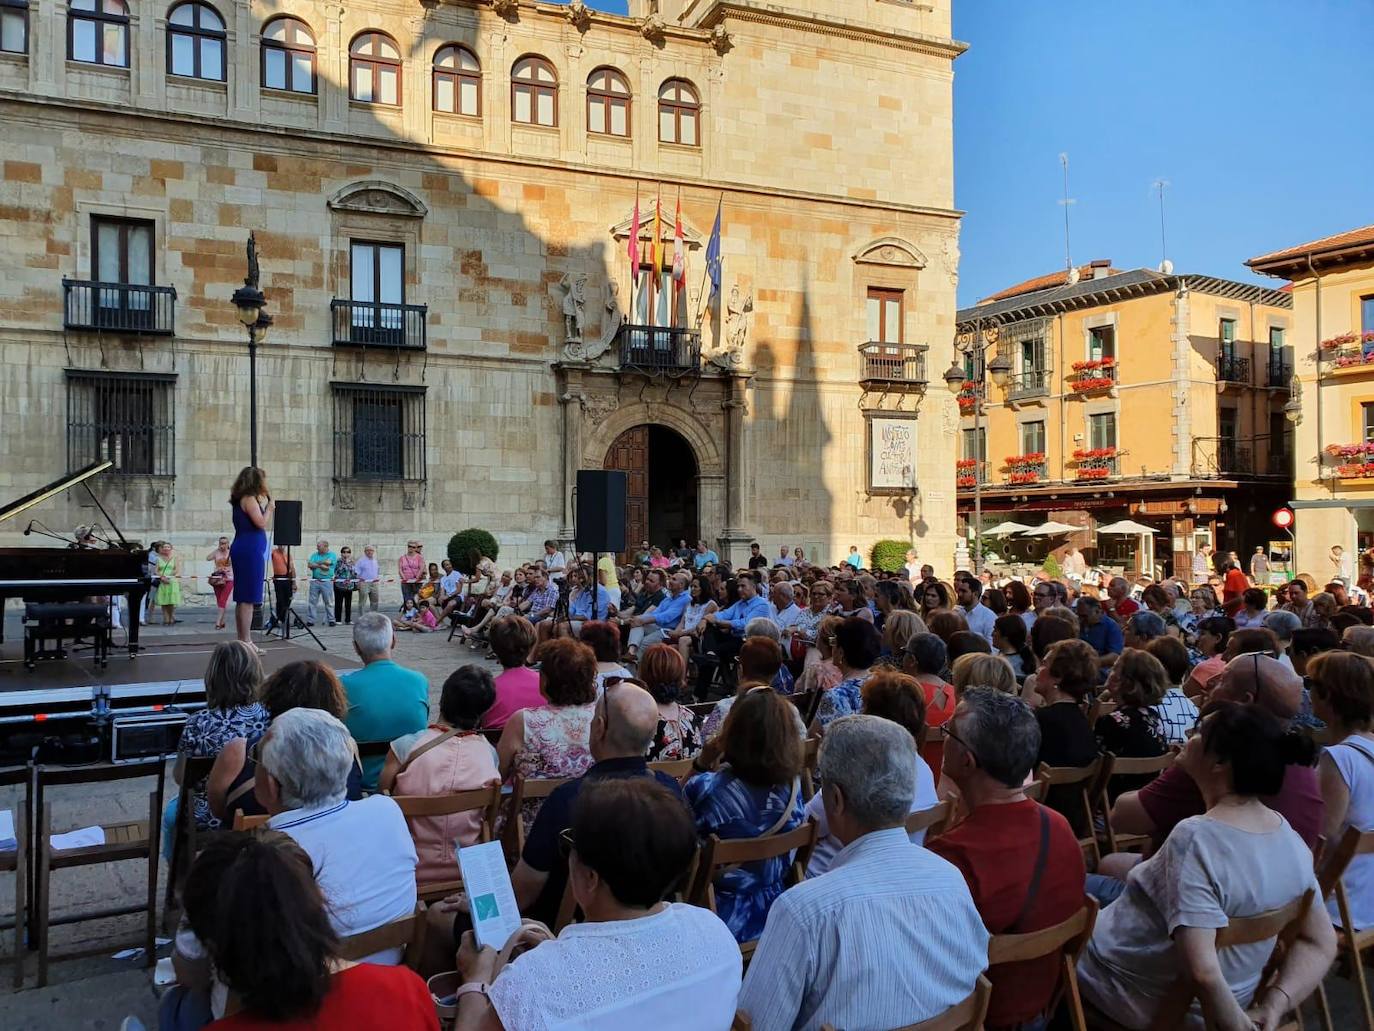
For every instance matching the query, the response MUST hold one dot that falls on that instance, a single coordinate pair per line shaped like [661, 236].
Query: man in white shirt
[980, 617]
[785, 613]
[826, 955]
[913, 571]
[305, 760]
[784, 559]
[555, 562]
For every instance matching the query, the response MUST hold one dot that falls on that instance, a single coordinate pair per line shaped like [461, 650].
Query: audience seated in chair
[1021, 859]
[385, 700]
[1134, 730]
[635, 961]
[1066, 680]
[890, 936]
[664, 673]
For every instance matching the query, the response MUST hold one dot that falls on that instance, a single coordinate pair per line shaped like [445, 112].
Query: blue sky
[1256, 112]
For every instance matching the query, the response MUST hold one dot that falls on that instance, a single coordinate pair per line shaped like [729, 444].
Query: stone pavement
[96, 992]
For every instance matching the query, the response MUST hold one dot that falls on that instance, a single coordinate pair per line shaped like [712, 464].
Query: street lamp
[976, 342]
[250, 302]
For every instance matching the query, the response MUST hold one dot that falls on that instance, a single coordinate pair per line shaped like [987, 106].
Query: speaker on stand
[286, 532]
[599, 515]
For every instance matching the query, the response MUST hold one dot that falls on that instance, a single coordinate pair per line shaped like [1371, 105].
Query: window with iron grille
[124, 416]
[379, 432]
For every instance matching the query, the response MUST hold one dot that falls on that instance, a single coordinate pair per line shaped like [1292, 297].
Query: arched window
[534, 92]
[98, 32]
[374, 70]
[195, 42]
[608, 103]
[457, 81]
[14, 26]
[288, 56]
[679, 111]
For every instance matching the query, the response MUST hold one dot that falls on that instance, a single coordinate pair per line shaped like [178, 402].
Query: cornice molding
[776, 16]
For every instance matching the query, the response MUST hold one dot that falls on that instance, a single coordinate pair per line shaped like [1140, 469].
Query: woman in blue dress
[248, 554]
[755, 791]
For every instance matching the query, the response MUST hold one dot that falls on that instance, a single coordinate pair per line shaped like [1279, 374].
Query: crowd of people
[1259, 710]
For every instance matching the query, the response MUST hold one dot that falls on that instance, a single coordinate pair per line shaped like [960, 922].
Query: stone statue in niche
[612, 318]
[739, 310]
[574, 307]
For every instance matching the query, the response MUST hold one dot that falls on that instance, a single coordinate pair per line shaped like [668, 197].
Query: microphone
[28, 529]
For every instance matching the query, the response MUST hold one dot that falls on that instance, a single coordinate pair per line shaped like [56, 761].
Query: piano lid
[56, 487]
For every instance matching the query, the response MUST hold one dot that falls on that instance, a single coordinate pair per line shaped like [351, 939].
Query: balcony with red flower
[1349, 354]
[969, 473]
[1025, 469]
[968, 396]
[1093, 376]
[1350, 461]
[1097, 463]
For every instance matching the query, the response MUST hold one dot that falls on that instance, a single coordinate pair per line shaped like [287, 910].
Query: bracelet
[1279, 988]
[480, 987]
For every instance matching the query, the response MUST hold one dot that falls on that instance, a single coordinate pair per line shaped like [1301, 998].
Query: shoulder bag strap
[1363, 749]
[433, 742]
[1041, 859]
[781, 821]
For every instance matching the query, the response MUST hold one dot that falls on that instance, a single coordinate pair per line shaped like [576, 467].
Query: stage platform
[167, 671]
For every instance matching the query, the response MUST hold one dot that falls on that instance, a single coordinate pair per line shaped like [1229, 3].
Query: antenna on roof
[1068, 255]
[1165, 265]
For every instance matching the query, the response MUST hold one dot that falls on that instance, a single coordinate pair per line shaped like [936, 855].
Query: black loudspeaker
[600, 510]
[286, 524]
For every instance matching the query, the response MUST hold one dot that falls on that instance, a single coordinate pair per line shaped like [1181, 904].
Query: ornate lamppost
[250, 302]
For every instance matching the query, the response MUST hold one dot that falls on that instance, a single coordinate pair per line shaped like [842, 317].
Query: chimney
[1101, 268]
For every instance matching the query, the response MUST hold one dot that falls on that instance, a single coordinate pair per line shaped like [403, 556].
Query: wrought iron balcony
[379, 324]
[887, 364]
[1096, 463]
[670, 350]
[119, 307]
[1095, 376]
[1231, 369]
[969, 472]
[1029, 383]
[1280, 374]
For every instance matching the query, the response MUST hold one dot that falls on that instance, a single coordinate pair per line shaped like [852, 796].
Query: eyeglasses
[566, 844]
[255, 751]
[947, 733]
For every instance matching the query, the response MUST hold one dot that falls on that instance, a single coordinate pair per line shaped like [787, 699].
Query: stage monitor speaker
[601, 510]
[286, 524]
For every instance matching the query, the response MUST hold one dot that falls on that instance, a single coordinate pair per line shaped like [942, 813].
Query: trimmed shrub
[888, 556]
[462, 545]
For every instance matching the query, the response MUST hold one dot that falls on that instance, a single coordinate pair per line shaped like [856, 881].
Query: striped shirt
[889, 937]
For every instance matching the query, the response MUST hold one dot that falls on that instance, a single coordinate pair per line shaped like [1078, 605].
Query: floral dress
[676, 738]
[1131, 732]
[204, 737]
[730, 808]
[844, 699]
[555, 745]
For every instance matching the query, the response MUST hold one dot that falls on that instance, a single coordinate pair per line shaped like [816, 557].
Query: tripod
[561, 615]
[292, 618]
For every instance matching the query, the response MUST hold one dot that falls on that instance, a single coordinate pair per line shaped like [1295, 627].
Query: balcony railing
[1093, 377]
[1280, 374]
[1026, 469]
[1350, 461]
[1095, 463]
[655, 349]
[1347, 351]
[379, 324]
[1029, 383]
[1231, 369]
[888, 364]
[969, 472]
[969, 396]
[119, 307]
[1243, 456]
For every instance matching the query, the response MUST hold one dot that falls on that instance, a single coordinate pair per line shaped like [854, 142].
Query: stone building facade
[442, 195]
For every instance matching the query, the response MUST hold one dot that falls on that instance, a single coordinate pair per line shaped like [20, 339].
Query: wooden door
[630, 453]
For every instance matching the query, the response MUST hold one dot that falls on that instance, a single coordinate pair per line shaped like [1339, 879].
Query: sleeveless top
[555, 745]
[461, 763]
[1354, 759]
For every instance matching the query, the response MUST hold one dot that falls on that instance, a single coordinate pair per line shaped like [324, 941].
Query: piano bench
[65, 621]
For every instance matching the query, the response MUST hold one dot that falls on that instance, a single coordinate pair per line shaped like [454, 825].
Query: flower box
[1348, 451]
[1336, 343]
[1026, 476]
[1098, 452]
[966, 463]
[965, 480]
[1094, 363]
[1088, 384]
[1094, 472]
[1017, 461]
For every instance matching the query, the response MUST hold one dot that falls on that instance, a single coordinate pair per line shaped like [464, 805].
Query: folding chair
[965, 1016]
[811, 755]
[245, 822]
[933, 820]
[17, 861]
[1353, 843]
[522, 791]
[186, 837]
[1089, 780]
[1068, 939]
[807, 702]
[1130, 768]
[407, 934]
[486, 800]
[678, 769]
[372, 750]
[720, 855]
[123, 841]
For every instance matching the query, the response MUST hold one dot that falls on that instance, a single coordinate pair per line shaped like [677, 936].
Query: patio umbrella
[1052, 529]
[1129, 527]
[1006, 529]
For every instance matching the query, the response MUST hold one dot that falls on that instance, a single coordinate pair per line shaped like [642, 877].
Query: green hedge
[889, 556]
[463, 543]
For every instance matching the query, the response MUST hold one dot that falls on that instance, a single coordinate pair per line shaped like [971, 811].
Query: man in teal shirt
[385, 700]
[321, 566]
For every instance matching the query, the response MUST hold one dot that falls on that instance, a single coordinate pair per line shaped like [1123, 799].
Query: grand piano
[74, 573]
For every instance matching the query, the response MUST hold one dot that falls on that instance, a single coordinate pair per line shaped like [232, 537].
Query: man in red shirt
[1173, 796]
[1119, 604]
[1234, 584]
[1021, 860]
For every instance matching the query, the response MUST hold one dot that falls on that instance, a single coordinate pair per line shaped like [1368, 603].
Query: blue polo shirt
[704, 557]
[669, 612]
[385, 701]
[1105, 637]
[741, 612]
[581, 606]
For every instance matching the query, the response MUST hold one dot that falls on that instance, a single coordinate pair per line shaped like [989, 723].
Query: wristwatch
[480, 987]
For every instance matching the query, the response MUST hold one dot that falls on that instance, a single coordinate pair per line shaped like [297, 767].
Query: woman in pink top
[517, 687]
[450, 756]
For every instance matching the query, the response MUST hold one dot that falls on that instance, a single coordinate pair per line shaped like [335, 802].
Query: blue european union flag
[713, 254]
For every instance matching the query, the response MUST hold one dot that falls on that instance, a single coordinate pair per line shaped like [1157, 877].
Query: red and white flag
[679, 250]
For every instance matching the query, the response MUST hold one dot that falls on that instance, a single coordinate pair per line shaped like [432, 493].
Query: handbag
[217, 578]
[799, 648]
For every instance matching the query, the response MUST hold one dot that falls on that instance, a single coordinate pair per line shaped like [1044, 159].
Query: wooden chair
[371, 750]
[1098, 709]
[702, 709]
[407, 934]
[486, 800]
[1353, 843]
[17, 862]
[1068, 939]
[741, 1022]
[678, 769]
[493, 735]
[522, 791]
[719, 856]
[1130, 768]
[1035, 791]
[186, 836]
[245, 822]
[965, 1016]
[811, 754]
[807, 702]
[1089, 779]
[131, 840]
[932, 820]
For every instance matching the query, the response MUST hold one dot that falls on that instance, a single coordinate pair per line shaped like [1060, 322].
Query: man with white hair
[385, 700]
[363, 854]
[826, 952]
[662, 617]
[321, 566]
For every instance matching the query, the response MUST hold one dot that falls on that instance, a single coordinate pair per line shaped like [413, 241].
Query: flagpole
[706, 271]
[632, 252]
